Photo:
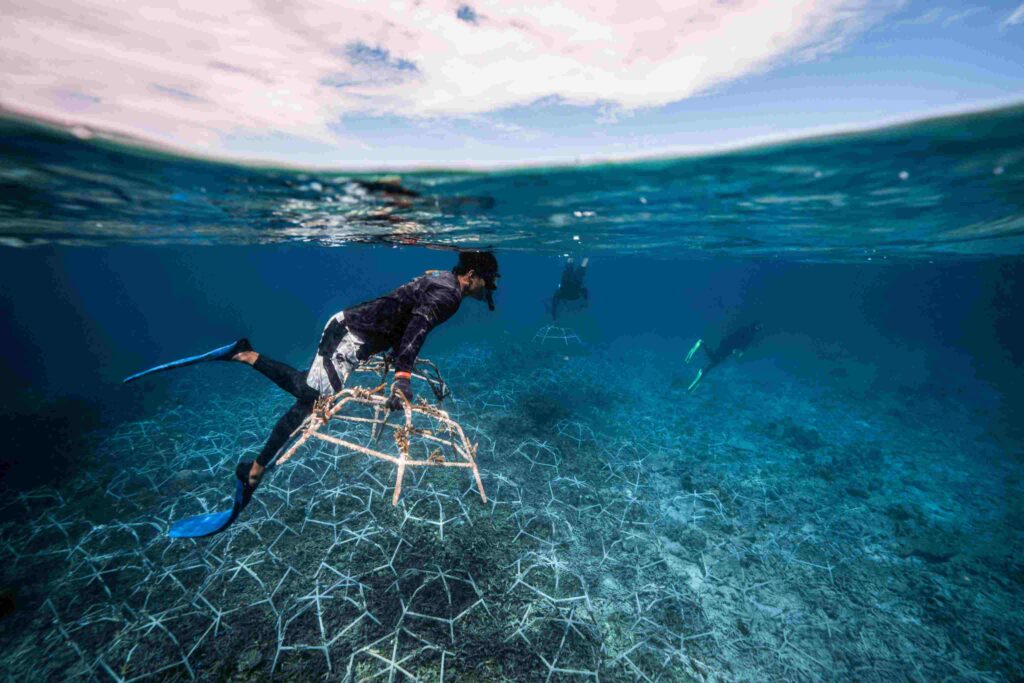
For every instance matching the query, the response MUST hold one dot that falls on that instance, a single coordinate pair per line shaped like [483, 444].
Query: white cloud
[1015, 18]
[943, 16]
[192, 74]
[958, 17]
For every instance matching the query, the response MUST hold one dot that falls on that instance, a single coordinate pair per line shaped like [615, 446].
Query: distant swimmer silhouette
[733, 344]
[571, 287]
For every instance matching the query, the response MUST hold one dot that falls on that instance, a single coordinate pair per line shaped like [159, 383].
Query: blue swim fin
[222, 353]
[216, 522]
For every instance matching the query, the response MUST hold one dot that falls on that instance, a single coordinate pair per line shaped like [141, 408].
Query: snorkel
[490, 282]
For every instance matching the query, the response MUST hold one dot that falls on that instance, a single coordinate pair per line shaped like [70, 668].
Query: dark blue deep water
[841, 502]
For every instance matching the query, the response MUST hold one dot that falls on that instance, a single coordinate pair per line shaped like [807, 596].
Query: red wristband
[403, 375]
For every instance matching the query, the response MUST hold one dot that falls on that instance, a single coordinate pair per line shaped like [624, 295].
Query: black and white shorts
[339, 354]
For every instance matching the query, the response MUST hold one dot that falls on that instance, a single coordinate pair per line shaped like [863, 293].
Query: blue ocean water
[841, 501]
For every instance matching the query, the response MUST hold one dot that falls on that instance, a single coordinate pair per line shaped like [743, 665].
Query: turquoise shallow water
[841, 502]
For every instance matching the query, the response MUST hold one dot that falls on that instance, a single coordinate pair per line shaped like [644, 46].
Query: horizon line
[88, 132]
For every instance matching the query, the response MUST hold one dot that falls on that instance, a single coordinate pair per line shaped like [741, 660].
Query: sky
[481, 83]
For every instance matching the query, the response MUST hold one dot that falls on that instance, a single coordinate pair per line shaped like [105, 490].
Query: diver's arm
[412, 341]
[436, 306]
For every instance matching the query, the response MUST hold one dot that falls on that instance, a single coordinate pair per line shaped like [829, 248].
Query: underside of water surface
[949, 186]
[840, 499]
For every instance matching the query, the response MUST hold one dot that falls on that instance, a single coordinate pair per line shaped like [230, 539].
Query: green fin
[693, 350]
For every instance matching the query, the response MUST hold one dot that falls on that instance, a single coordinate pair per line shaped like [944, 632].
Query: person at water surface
[733, 344]
[399, 320]
[571, 287]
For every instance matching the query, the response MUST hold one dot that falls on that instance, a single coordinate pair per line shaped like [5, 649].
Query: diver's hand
[401, 387]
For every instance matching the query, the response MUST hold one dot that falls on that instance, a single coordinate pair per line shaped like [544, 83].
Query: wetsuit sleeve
[436, 305]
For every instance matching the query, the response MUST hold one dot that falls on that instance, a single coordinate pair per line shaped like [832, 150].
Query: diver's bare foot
[256, 474]
[247, 357]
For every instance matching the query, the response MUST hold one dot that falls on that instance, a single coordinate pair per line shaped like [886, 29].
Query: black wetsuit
[386, 188]
[399, 320]
[736, 341]
[403, 197]
[570, 288]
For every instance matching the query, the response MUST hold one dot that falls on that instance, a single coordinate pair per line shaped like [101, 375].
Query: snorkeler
[389, 189]
[735, 343]
[399, 320]
[396, 195]
[397, 207]
[571, 287]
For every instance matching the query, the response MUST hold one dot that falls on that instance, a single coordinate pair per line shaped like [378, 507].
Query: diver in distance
[399, 320]
[571, 287]
[734, 344]
[398, 206]
[391, 190]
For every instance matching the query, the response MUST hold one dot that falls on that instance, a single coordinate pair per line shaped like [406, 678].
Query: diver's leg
[295, 382]
[283, 375]
[279, 436]
[324, 378]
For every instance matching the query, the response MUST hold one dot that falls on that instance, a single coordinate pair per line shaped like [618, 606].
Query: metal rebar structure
[443, 442]
[424, 370]
[556, 333]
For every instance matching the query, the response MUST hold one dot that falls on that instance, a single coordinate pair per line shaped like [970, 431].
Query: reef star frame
[443, 442]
